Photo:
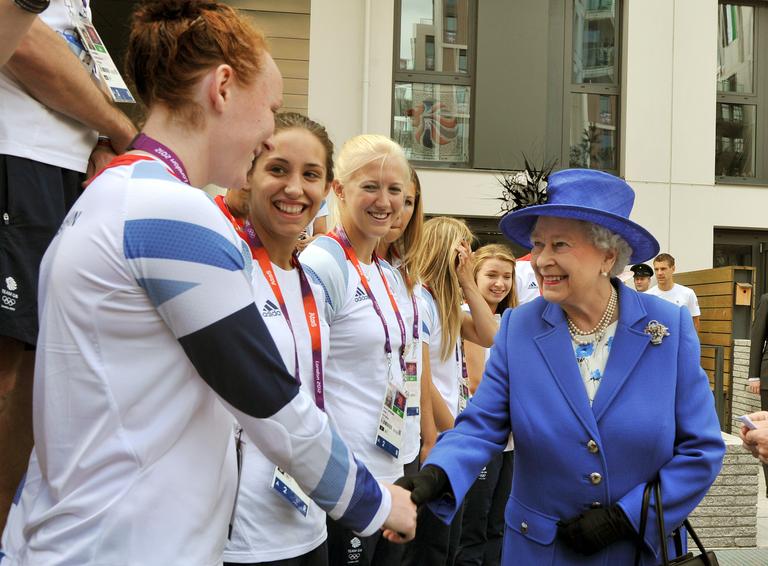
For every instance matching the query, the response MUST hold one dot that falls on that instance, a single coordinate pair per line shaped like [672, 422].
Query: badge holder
[288, 489]
[463, 393]
[412, 385]
[389, 436]
[101, 62]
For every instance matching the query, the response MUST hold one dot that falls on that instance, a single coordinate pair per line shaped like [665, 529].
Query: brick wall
[727, 516]
[743, 402]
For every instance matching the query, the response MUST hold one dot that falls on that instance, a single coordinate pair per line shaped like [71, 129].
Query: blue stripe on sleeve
[314, 277]
[172, 239]
[238, 359]
[330, 487]
[162, 290]
[360, 510]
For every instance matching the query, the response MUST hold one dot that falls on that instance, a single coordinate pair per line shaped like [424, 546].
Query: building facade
[669, 94]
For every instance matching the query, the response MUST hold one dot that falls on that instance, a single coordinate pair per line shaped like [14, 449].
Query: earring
[604, 273]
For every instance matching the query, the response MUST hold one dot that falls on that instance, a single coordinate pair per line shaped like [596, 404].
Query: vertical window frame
[757, 98]
[441, 78]
[613, 89]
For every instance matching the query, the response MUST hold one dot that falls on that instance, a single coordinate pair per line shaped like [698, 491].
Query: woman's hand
[464, 265]
[754, 387]
[595, 529]
[426, 485]
[400, 525]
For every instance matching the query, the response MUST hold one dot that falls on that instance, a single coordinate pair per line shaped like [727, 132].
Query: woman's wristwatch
[34, 6]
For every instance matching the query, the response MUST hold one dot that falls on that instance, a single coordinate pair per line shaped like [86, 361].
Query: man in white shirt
[525, 280]
[667, 289]
[53, 112]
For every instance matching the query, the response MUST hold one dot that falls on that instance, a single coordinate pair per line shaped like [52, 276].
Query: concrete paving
[751, 556]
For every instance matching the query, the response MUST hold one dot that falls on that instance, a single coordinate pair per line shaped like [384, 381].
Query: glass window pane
[735, 140]
[595, 41]
[735, 48]
[431, 121]
[594, 136]
[433, 35]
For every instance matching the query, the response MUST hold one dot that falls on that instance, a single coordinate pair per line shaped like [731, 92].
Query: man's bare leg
[16, 371]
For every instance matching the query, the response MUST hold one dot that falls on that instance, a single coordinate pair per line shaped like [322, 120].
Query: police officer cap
[641, 270]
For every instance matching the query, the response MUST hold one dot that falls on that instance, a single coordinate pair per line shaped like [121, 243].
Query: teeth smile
[379, 215]
[289, 208]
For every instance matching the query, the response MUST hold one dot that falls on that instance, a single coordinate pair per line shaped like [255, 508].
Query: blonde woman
[398, 247]
[370, 330]
[444, 263]
[482, 527]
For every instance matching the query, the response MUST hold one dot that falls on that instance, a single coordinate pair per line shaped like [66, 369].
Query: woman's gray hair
[603, 239]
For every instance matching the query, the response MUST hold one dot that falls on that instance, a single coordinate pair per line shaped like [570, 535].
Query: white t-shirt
[357, 372]
[679, 295]
[266, 527]
[30, 129]
[321, 213]
[412, 443]
[149, 342]
[446, 374]
[525, 282]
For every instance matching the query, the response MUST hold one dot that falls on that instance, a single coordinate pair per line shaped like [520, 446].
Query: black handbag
[706, 558]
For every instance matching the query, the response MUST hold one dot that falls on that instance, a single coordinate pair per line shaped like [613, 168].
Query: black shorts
[34, 198]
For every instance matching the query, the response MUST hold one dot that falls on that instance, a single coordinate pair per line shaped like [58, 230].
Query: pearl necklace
[577, 334]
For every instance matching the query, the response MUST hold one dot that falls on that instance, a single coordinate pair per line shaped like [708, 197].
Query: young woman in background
[482, 528]
[397, 248]
[370, 332]
[444, 263]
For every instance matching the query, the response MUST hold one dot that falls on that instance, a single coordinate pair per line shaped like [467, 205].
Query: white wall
[668, 99]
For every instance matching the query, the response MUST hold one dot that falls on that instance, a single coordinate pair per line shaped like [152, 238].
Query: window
[433, 80]
[506, 79]
[741, 125]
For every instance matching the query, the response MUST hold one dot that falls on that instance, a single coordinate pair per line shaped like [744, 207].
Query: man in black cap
[642, 276]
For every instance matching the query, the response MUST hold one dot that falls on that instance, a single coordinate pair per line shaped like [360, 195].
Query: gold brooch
[656, 331]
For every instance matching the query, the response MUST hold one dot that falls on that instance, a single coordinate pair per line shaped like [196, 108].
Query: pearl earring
[604, 273]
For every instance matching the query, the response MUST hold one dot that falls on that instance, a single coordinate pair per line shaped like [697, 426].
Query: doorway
[745, 248]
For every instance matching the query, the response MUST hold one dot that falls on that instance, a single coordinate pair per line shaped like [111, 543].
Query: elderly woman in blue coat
[600, 386]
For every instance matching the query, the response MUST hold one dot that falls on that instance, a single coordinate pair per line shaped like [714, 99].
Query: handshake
[408, 493]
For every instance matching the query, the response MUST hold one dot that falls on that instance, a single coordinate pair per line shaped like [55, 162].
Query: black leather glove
[426, 485]
[595, 529]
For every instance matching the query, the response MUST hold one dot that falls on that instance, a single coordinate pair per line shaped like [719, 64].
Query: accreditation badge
[411, 379]
[98, 58]
[389, 436]
[287, 488]
[463, 393]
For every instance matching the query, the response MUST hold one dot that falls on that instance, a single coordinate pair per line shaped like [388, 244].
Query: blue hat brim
[517, 226]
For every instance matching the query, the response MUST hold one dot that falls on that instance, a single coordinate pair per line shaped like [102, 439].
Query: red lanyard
[341, 237]
[260, 254]
[238, 224]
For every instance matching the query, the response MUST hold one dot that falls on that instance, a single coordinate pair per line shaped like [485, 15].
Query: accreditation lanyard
[237, 223]
[341, 237]
[162, 152]
[460, 348]
[259, 253]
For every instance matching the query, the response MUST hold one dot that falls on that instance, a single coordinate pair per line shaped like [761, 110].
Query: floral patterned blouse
[592, 357]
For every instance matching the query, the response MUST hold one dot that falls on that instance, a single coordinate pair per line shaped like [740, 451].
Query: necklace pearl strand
[577, 334]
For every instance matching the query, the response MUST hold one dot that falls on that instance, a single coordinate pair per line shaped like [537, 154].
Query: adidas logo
[360, 295]
[533, 285]
[270, 309]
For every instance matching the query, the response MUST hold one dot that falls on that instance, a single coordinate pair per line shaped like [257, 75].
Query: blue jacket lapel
[557, 351]
[629, 343]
